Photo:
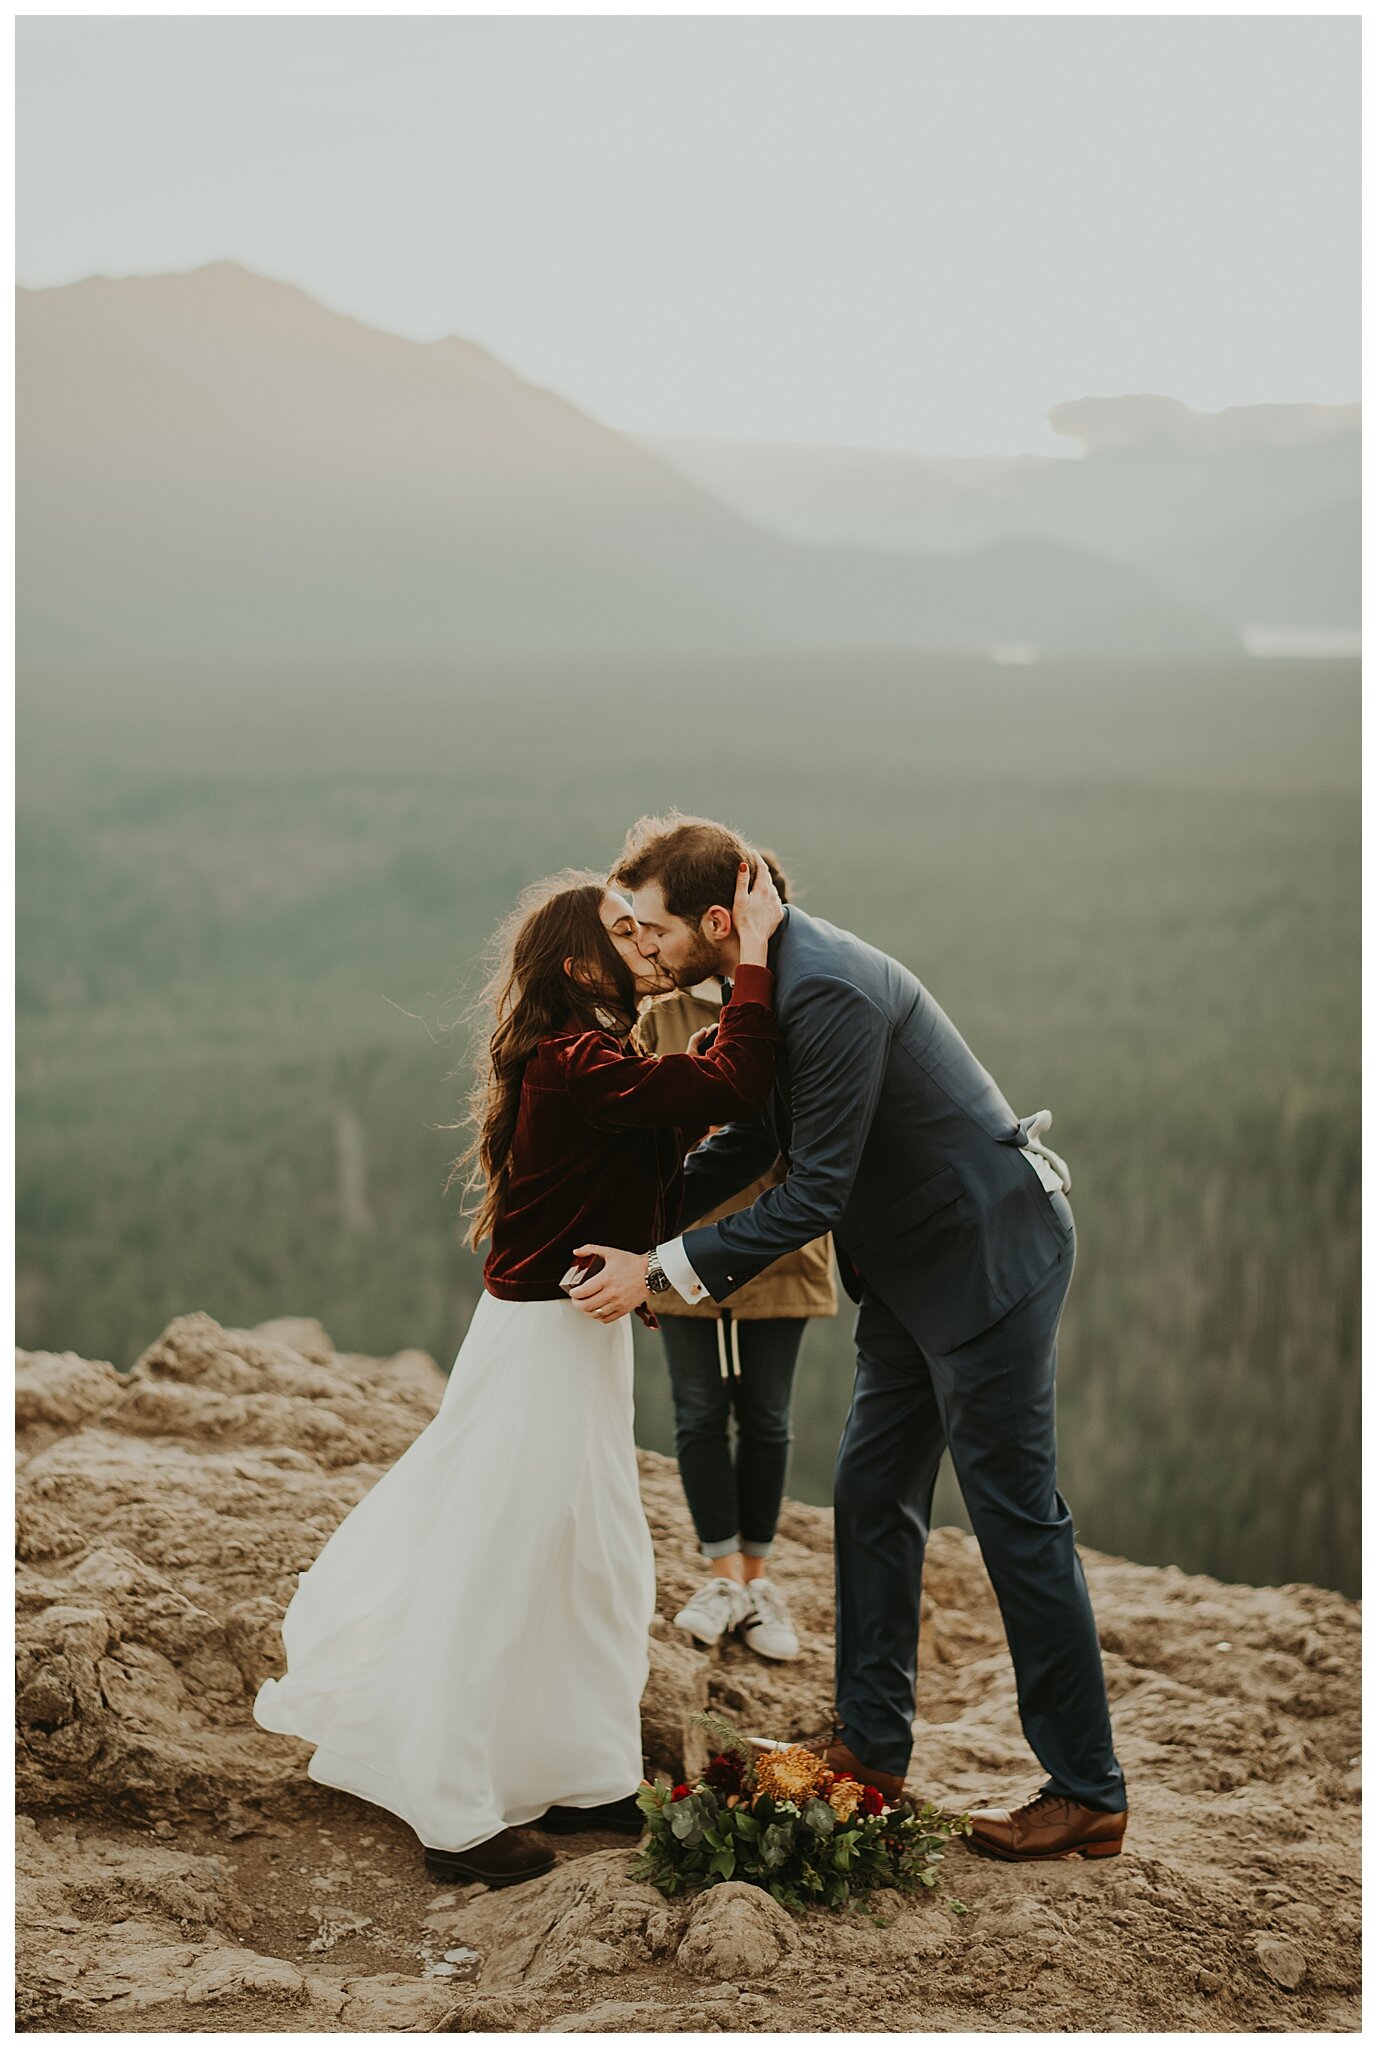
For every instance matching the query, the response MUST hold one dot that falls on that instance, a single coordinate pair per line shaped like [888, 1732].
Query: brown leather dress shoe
[842, 1761]
[1047, 1826]
[845, 1764]
[508, 1858]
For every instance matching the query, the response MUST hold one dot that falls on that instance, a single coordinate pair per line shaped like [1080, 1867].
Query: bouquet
[781, 1819]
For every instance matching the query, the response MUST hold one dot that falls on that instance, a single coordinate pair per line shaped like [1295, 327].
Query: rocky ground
[178, 1872]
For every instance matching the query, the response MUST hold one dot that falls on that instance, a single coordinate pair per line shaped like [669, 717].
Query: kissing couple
[470, 1647]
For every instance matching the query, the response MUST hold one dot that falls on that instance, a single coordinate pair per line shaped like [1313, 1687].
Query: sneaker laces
[715, 1589]
[768, 1604]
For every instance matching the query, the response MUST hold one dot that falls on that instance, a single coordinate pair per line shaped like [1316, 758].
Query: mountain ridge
[214, 457]
[1157, 487]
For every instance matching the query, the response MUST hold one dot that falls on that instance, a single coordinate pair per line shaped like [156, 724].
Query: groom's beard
[701, 964]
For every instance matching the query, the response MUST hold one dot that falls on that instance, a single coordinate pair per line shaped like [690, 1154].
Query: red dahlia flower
[872, 1800]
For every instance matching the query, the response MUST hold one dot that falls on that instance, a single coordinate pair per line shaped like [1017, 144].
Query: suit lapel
[779, 1107]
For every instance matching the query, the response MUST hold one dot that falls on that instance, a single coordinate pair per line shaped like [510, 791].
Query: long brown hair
[528, 996]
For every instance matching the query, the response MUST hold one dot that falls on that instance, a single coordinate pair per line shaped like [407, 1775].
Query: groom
[956, 1239]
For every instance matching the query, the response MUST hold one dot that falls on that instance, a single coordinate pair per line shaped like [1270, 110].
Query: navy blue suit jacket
[894, 1138]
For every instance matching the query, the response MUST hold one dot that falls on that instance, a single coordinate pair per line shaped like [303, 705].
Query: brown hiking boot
[508, 1858]
[1047, 1826]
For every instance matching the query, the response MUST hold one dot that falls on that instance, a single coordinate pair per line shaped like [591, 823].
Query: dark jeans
[992, 1403]
[735, 1506]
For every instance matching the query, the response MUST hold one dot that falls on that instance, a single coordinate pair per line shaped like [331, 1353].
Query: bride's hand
[757, 911]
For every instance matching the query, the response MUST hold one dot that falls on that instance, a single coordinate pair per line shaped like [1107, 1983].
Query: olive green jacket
[802, 1283]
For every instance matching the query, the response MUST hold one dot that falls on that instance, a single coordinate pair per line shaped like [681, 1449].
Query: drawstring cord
[723, 1321]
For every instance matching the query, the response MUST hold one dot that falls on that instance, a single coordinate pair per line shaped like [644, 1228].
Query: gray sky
[888, 231]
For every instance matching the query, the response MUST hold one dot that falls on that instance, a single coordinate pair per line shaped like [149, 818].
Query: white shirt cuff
[679, 1272]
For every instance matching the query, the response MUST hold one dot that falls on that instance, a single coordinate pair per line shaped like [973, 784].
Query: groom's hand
[616, 1288]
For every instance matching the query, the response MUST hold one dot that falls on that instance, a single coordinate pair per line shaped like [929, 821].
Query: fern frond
[729, 1739]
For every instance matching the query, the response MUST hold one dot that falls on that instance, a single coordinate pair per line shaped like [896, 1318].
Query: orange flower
[793, 1774]
[845, 1796]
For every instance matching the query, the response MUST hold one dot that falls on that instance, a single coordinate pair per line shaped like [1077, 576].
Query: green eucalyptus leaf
[687, 1825]
[775, 1844]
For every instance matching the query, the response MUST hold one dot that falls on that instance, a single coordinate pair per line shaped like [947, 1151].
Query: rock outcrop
[179, 1872]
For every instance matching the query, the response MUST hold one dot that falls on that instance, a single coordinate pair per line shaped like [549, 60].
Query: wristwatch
[657, 1280]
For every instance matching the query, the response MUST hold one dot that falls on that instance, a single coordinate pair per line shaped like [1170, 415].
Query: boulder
[1282, 1959]
[734, 1931]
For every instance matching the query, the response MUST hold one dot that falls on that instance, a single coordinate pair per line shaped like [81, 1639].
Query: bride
[470, 1647]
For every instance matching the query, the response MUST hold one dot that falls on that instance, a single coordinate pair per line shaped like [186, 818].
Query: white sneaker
[766, 1626]
[714, 1609]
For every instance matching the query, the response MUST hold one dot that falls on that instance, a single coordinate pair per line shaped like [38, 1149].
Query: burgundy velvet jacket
[601, 1134]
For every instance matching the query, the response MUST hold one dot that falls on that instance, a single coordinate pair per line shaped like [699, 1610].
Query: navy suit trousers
[992, 1403]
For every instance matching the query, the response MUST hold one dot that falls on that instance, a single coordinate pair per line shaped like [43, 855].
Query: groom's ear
[716, 923]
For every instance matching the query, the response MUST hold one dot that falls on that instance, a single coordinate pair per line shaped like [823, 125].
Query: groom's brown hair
[694, 860]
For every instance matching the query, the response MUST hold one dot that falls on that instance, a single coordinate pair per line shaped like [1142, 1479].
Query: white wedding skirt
[471, 1645]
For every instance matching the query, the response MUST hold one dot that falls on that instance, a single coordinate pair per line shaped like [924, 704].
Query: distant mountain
[1145, 418]
[214, 461]
[1295, 568]
[1255, 506]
